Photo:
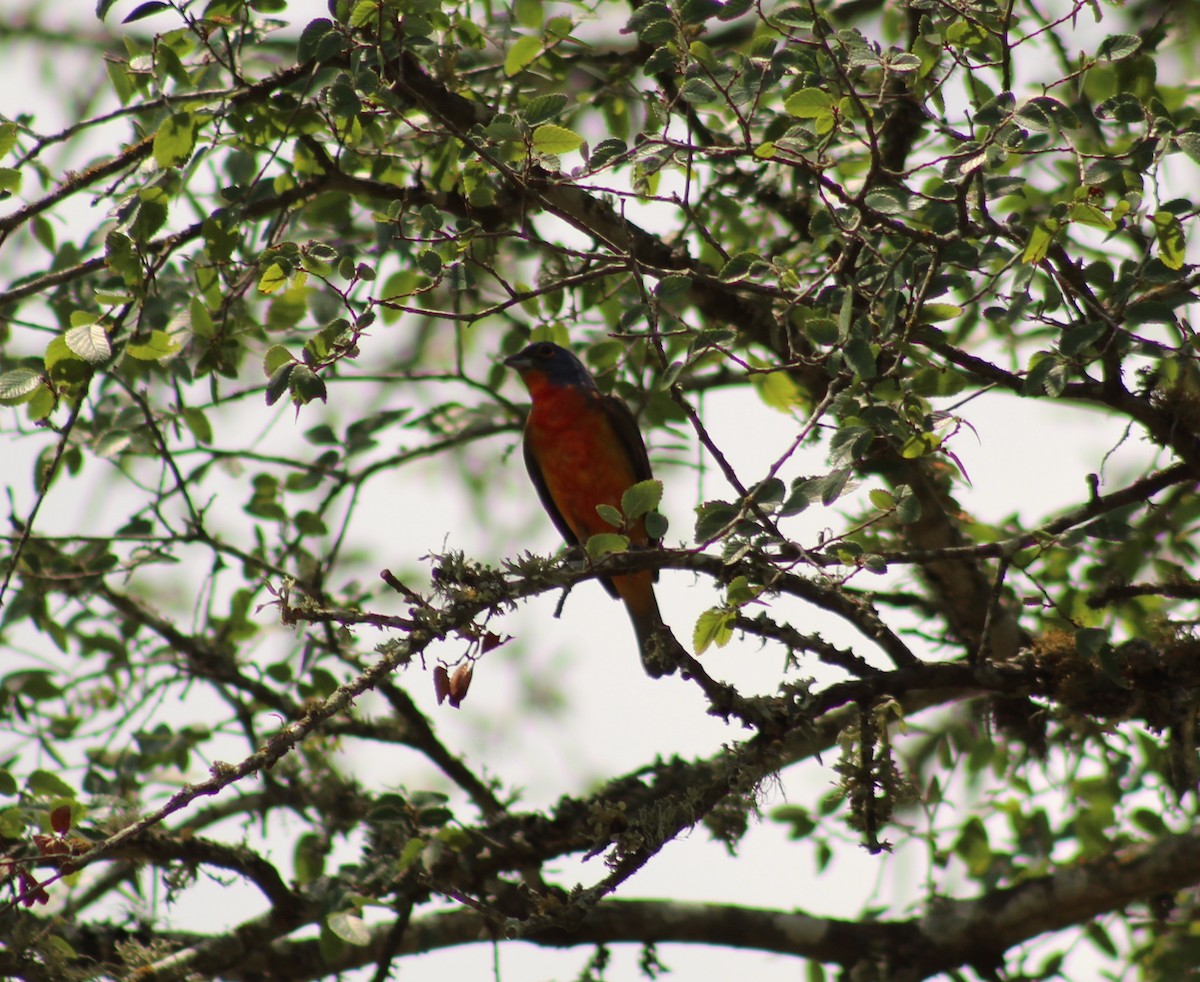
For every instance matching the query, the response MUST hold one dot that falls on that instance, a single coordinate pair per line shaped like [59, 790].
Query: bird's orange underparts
[584, 449]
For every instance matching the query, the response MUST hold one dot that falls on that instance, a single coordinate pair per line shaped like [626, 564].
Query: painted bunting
[583, 449]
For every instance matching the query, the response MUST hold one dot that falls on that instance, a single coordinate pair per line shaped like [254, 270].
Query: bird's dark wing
[539, 482]
[624, 424]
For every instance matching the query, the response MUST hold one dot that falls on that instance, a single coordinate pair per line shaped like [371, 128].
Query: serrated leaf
[1087, 214]
[808, 104]
[544, 107]
[860, 357]
[881, 499]
[920, 445]
[551, 139]
[312, 36]
[1040, 240]
[698, 11]
[738, 266]
[158, 346]
[607, 151]
[19, 385]
[714, 626]
[698, 90]
[1171, 242]
[887, 200]
[931, 313]
[605, 543]
[641, 498]
[277, 384]
[273, 278]
[610, 514]
[777, 390]
[350, 927]
[712, 517]
[198, 424]
[175, 140]
[48, 785]
[656, 525]
[832, 485]
[276, 357]
[1118, 46]
[1189, 143]
[90, 342]
[523, 53]
[741, 592]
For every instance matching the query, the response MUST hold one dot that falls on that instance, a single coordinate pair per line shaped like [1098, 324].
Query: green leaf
[549, 138]
[739, 266]
[1171, 241]
[973, 846]
[1189, 143]
[712, 517]
[308, 857]
[278, 383]
[601, 545]
[611, 515]
[544, 107]
[273, 277]
[524, 52]
[276, 357]
[808, 104]
[833, 485]
[607, 151]
[144, 10]
[741, 592]
[714, 626]
[698, 91]
[364, 12]
[18, 386]
[698, 11]
[641, 498]
[860, 357]
[881, 499]
[1040, 240]
[8, 138]
[150, 215]
[656, 525]
[198, 424]
[777, 390]
[175, 140]
[350, 927]
[529, 13]
[1090, 641]
[44, 784]
[1118, 46]
[920, 445]
[10, 180]
[932, 313]
[1088, 214]
[158, 346]
[89, 341]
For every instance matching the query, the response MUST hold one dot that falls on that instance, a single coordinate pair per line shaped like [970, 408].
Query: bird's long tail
[661, 651]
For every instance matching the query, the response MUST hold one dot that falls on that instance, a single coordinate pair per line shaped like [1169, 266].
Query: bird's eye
[544, 351]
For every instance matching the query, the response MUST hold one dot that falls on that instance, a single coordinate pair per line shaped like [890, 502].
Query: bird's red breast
[581, 457]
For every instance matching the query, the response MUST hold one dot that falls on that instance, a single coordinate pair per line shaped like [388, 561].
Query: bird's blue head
[550, 364]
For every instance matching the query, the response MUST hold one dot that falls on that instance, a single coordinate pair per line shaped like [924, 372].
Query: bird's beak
[520, 361]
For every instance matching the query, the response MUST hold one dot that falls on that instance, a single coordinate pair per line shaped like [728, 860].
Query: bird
[582, 449]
